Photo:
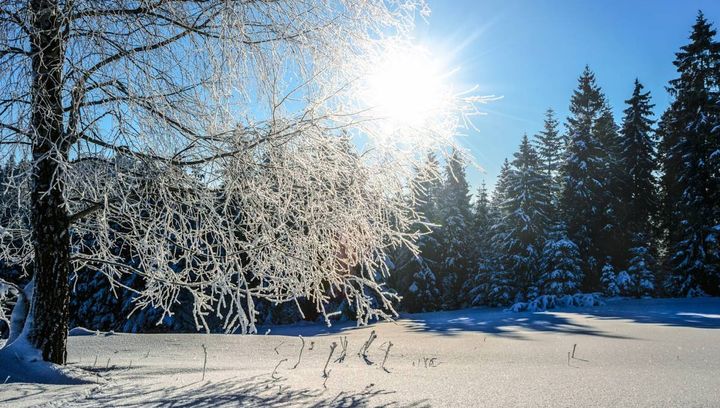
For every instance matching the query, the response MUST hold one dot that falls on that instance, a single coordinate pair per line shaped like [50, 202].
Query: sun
[406, 88]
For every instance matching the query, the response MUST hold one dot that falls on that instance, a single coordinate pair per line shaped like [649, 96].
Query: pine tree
[500, 193]
[638, 194]
[691, 164]
[560, 265]
[499, 288]
[525, 220]
[584, 176]
[550, 146]
[610, 236]
[641, 270]
[608, 280]
[414, 275]
[483, 257]
[454, 235]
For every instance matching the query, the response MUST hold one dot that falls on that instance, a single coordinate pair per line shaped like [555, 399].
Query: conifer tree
[414, 274]
[499, 288]
[500, 193]
[454, 235]
[691, 163]
[638, 195]
[483, 257]
[525, 220]
[610, 236]
[550, 146]
[584, 175]
[608, 280]
[560, 264]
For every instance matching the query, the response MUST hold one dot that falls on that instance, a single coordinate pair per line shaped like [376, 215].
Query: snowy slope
[628, 353]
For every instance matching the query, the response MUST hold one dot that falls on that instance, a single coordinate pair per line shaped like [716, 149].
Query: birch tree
[212, 141]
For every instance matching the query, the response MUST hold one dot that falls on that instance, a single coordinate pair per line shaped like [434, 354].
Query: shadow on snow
[701, 313]
[259, 391]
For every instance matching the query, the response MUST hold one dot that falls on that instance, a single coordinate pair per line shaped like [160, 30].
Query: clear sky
[531, 52]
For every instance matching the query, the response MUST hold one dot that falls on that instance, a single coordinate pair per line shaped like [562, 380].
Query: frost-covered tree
[414, 273]
[499, 289]
[164, 117]
[550, 146]
[641, 269]
[638, 195]
[483, 258]
[454, 233]
[560, 264]
[608, 280]
[610, 235]
[639, 162]
[690, 131]
[525, 220]
[584, 176]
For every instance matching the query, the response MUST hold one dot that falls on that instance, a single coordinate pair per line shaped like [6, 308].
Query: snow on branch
[545, 302]
[219, 149]
[8, 294]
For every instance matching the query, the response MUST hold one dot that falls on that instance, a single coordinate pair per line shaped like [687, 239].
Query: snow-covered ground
[627, 353]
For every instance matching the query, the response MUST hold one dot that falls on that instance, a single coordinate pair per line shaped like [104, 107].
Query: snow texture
[661, 352]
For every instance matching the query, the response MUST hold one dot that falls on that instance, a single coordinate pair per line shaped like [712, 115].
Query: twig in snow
[364, 349]
[387, 352]
[568, 359]
[343, 352]
[312, 346]
[326, 373]
[276, 367]
[95, 363]
[204, 361]
[147, 354]
[108, 363]
[573, 352]
[276, 347]
[301, 351]
[428, 362]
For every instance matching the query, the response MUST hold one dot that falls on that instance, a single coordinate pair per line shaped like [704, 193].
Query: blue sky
[531, 52]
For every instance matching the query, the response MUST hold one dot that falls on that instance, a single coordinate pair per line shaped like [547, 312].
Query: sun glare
[406, 88]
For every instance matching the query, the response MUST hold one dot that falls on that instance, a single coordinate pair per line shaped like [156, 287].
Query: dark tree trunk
[48, 318]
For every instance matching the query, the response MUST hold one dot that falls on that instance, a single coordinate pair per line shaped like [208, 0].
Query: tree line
[629, 208]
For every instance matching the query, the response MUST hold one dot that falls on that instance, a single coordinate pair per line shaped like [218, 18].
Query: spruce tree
[584, 177]
[525, 221]
[499, 288]
[638, 195]
[483, 257]
[560, 264]
[414, 274]
[691, 163]
[609, 280]
[454, 235]
[500, 193]
[610, 236]
[550, 146]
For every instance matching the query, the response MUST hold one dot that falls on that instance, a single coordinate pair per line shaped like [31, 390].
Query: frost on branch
[219, 151]
[305, 218]
[8, 296]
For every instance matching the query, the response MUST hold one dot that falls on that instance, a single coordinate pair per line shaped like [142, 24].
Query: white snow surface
[650, 352]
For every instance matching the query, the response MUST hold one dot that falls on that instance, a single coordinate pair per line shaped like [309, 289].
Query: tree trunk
[48, 318]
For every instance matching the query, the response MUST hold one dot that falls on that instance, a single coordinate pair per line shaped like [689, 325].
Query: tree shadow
[259, 391]
[699, 313]
[692, 313]
[499, 323]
